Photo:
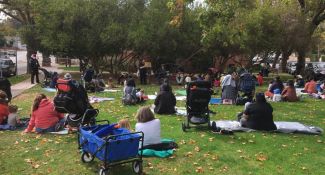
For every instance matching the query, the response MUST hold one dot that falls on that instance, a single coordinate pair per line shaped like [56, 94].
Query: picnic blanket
[215, 101]
[179, 98]
[282, 127]
[161, 154]
[49, 89]
[94, 99]
[181, 92]
[111, 90]
[63, 132]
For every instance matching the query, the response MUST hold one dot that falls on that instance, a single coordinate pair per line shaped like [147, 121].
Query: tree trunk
[301, 62]
[285, 57]
[46, 60]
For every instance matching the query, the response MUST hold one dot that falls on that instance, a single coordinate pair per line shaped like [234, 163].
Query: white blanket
[282, 126]
[179, 98]
[111, 90]
[99, 99]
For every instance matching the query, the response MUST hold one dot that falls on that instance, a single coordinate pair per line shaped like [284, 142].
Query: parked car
[11, 53]
[7, 66]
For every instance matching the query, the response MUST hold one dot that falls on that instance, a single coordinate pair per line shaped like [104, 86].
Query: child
[187, 79]
[260, 79]
[110, 83]
[13, 119]
[140, 95]
[124, 123]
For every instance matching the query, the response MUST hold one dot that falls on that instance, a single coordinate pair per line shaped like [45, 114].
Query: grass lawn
[200, 151]
[18, 78]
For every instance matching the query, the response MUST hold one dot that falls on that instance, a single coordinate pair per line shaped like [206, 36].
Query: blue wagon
[111, 145]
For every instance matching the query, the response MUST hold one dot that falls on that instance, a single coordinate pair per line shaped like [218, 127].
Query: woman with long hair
[44, 116]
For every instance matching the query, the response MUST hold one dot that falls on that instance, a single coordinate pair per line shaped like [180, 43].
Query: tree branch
[10, 15]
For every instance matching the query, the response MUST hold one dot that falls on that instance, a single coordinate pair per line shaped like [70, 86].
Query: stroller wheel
[137, 167]
[183, 127]
[86, 157]
[103, 171]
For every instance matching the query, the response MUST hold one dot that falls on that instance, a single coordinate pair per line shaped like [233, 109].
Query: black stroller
[197, 104]
[48, 76]
[72, 98]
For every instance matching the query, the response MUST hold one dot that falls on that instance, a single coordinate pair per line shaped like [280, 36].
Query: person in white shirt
[149, 125]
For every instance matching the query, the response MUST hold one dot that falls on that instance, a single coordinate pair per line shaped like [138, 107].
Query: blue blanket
[161, 154]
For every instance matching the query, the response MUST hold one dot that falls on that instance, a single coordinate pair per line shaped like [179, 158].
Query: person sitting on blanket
[277, 84]
[166, 101]
[44, 116]
[4, 110]
[258, 115]
[289, 92]
[299, 82]
[13, 119]
[149, 125]
[124, 123]
[110, 83]
[310, 86]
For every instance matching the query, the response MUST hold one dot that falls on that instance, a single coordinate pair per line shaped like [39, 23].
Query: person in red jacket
[4, 110]
[259, 79]
[44, 117]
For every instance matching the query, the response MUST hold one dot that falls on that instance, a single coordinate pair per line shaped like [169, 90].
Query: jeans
[57, 127]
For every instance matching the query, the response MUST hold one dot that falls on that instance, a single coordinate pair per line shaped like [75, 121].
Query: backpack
[246, 83]
[129, 98]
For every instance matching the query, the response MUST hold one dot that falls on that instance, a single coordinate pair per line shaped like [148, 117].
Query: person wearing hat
[34, 66]
[258, 115]
[299, 83]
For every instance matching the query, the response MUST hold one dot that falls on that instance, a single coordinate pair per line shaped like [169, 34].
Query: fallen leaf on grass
[239, 151]
[16, 142]
[261, 157]
[192, 141]
[303, 168]
[210, 139]
[199, 169]
[182, 142]
[35, 165]
[197, 149]
[28, 160]
[319, 141]
[189, 154]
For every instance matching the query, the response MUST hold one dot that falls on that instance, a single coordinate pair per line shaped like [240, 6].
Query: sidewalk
[19, 88]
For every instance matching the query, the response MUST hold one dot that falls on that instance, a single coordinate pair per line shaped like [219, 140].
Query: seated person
[258, 115]
[166, 101]
[289, 93]
[140, 95]
[4, 110]
[299, 82]
[310, 87]
[149, 125]
[129, 87]
[124, 123]
[98, 83]
[110, 83]
[188, 79]
[5, 86]
[13, 119]
[54, 80]
[277, 84]
[44, 116]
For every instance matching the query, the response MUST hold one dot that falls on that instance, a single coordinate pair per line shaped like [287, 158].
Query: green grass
[18, 78]
[243, 153]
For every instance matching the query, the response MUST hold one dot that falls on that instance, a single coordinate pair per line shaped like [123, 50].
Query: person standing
[34, 65]
[143, 72]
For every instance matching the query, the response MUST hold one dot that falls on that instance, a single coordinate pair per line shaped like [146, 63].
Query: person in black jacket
[258, 115]
[165, 102]
[34, 65]
[5, 86]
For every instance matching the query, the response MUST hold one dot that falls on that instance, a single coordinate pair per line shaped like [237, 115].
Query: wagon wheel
[137, 167]
[86, 157]
[103, 171]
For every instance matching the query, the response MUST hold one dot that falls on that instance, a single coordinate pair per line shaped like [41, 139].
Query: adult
[229, 87]
[166, 101]
[289, 92]
[311, 86]
[149, 125]
[130, 91]
[44, 116]
[143, 72]
[277, 86]
[34, 66]
[258, 115]
[5, 86]
[300, 82]
[180, 78]
[4, 110]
